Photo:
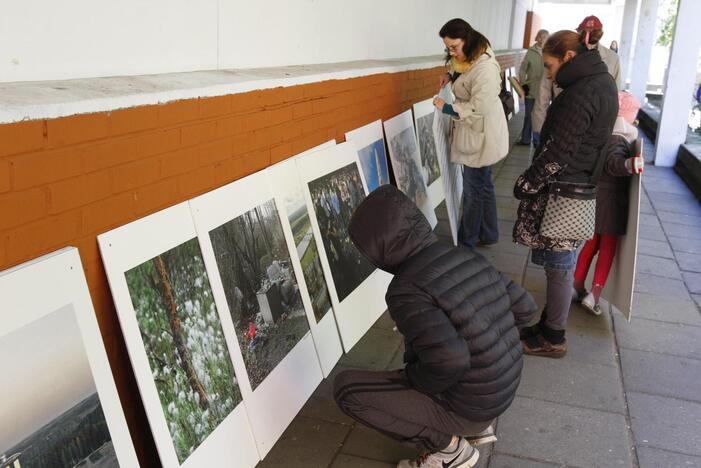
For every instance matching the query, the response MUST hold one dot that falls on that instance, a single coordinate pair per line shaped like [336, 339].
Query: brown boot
[539, 346]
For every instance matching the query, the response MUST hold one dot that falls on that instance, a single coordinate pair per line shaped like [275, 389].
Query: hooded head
[388, 228]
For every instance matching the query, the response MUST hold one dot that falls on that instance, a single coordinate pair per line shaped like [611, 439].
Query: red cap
[591, 23]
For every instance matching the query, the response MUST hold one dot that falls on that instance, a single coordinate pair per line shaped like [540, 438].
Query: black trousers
[386, 402]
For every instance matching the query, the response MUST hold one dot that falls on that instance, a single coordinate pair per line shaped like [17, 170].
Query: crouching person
[459, 317]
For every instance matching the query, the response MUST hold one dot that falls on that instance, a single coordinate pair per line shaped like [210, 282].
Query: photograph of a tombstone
[261, 288]
[404, 157]
[335, 197]
[184, 341]
[373, 161]
[50, 411]
[427, 149]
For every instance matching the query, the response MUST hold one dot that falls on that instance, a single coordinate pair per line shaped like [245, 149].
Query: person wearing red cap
[611, 204]
[591, 31]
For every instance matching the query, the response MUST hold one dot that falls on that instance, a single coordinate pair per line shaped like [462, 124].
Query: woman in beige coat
[480, 135]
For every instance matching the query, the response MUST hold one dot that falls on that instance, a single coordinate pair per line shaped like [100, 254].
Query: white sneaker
[591, 306]
[485, 437]
[464, 456]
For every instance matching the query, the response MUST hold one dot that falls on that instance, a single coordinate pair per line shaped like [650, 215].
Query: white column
[679, 87]
[640, 68]
[626, 45]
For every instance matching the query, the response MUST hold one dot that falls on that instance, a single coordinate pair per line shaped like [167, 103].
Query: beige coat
[480, 133]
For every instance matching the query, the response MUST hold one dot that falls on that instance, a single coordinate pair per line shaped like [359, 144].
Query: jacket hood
[624, 129]
[586, 63]
[388, 228]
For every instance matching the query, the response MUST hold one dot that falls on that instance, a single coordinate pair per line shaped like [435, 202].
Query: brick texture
[64, 181]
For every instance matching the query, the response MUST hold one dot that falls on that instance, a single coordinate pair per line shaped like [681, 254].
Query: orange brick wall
[64, 181]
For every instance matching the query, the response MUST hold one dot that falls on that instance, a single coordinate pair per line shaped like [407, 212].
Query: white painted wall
[49, 40]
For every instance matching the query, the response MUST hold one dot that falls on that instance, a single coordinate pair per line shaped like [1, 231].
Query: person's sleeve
[617, 152]
[485, 88]
[616, 72]
[540, 107]
[523, 306]
[441, 355]
[524, 70]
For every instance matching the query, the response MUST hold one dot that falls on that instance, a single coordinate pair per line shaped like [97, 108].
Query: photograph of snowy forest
[427, 148]
[405, 158]
[261, 288]
[335, 197]
[185, 345]
[53, 418]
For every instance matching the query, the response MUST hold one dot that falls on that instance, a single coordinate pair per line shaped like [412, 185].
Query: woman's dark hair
[561, 42]
[594, 36]
[475, 42]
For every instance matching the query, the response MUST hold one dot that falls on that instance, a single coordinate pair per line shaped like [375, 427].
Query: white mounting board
[32, 292]
[130, 246]
[365, 304]
[286, 185]
[298, 373]
[436, 190]
[406, 164]
[369, 143]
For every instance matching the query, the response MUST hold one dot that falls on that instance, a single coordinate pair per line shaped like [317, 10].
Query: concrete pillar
[679, 86]
[626, 45]
[640, 68]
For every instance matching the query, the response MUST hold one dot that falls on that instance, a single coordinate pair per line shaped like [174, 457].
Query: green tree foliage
[666, 33]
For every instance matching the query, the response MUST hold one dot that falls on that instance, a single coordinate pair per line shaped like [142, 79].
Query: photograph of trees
[427, 146]
[261, 288]
[335, 196]
[405, 164]
[184, 341]
[51, 413]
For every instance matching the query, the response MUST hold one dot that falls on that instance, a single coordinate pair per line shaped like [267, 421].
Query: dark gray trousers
[385, 401]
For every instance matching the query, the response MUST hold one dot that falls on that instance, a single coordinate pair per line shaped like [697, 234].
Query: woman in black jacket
[574, 135]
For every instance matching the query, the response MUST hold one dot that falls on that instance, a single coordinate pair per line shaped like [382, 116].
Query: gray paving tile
[665, 423]
[397, 361]
[658, 266]
[697, 299]
[681, 245]
[535, 280]
[590, 345]
[679, 218]
[659, 337]
[374, 351]
[660, 374]
[660, 286]
[385, 322]
[563, 434]
[669, 197]
[349, 461]
[692, 281]
[567, 381]
[687, 206]
[648, 220]
[689, 262]
[655, 458]
[578, 317]
[506, 262]
[505, 461]
[321, 405]
[368, 443]
[307, 443]
[652, 232]
[665, 309]
[654, 248]
[682, 230]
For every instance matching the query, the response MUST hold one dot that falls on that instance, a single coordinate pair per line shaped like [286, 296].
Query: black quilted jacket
[574, 136]
[458, 315]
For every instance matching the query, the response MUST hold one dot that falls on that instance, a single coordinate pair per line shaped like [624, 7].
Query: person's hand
[635, 165]
[439, 103]
[445, 79]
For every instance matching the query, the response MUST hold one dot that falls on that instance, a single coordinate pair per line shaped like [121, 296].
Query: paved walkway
[626, 395]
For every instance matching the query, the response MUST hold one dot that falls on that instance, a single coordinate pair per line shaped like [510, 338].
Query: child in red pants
[611, 204]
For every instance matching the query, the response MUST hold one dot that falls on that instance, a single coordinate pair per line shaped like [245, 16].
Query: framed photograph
[182, 346]
[59, 403]
[256, 285]
[333, 188]
[288, 190]
[369, 143]
[406, 163]
[430, 167]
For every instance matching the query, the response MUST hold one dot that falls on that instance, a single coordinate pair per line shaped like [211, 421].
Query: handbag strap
[599, 166]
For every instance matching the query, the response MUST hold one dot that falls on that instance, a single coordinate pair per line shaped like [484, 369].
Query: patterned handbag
[570, 209]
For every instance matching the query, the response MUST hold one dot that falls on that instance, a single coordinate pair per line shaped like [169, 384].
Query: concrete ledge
[52, 99]
[649, 119]
[688, 166]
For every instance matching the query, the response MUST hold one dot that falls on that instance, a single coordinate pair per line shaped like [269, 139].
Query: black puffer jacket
[458, 315]
[574, 136]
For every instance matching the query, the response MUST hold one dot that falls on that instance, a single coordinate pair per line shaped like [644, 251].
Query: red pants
[605, 244]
